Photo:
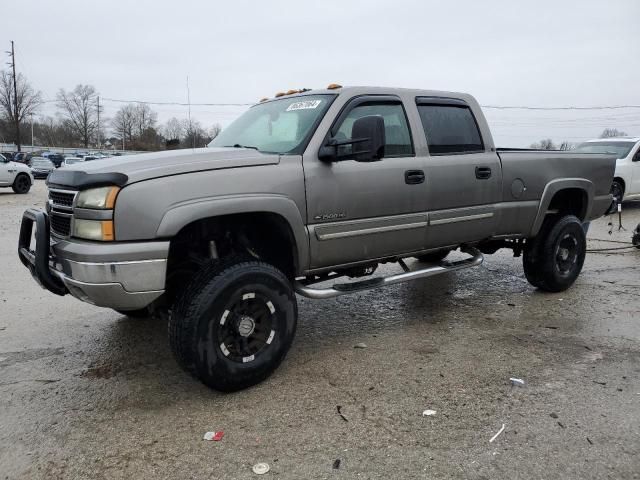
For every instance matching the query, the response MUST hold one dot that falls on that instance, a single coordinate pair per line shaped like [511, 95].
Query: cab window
[450, 129]
[397, 135]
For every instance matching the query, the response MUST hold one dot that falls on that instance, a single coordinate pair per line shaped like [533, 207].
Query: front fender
[181, 215]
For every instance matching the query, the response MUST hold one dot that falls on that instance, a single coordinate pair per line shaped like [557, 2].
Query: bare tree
[79, 108]
[214, 131]
[544, 144]
[195, 135]
[566, 145]
[612, 132]
[173, 129]
[27, 100]
[144, 119]
[123, 123]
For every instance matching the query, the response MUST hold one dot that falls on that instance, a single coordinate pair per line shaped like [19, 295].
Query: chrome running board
[337, 289]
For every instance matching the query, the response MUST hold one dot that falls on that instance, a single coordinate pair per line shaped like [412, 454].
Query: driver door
[366, 210]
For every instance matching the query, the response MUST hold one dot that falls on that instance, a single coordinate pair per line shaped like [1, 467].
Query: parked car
[56, 158]
[303, 189]
[15, 175]
[22, 157]
[41, 167]
[626, 181]
[8, 156]
[70, 160]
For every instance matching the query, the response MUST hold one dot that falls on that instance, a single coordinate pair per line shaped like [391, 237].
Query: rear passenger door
[464, 177]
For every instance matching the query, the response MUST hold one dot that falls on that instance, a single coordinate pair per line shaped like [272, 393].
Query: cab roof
[615, 139]
[363, 90]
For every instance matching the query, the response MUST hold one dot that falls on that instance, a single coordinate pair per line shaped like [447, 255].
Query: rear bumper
[124, 276]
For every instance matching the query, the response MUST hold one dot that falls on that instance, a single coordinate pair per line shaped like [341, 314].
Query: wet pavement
[88, 393]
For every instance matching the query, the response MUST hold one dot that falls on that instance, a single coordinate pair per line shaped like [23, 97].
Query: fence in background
[10, 147]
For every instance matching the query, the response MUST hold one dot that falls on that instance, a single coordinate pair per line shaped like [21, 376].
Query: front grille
[61, 211]
[62, 199]
[60, 224]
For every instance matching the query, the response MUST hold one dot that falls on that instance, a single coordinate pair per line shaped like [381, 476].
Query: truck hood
[134, 168]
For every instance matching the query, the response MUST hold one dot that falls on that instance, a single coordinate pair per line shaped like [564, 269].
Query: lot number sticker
[308, 104]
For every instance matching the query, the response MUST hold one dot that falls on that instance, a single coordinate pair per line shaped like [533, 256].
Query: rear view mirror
[367, 140]
[371, 135]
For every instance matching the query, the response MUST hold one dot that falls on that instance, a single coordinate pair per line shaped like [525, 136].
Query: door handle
[482, 173]
[413, 177]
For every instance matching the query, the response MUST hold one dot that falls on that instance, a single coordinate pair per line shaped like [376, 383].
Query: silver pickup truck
[298, 194]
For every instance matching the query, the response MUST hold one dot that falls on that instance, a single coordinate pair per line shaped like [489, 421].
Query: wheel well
[621, 181]
[571, 201]
[263, 235]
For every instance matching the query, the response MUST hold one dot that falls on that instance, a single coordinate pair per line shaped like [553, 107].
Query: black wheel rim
[246, 327]
[22, 183]
[566, 254]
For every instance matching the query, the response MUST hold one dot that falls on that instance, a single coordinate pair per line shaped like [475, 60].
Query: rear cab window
[449, 126]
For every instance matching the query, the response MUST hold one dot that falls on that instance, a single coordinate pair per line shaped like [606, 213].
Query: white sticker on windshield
[307, 104]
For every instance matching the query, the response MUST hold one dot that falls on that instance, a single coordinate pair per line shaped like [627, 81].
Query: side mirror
[367, 140]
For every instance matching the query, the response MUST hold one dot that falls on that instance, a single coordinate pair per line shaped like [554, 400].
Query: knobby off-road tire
[434, 257]
[553, 260]
[22, 183]
[233, 324]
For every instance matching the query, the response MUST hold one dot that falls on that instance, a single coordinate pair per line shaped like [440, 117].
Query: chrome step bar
[305, 290]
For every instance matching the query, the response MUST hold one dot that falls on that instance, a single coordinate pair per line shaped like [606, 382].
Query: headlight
[101, 230]
[101, 198]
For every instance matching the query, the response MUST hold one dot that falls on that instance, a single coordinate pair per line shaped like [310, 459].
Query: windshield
[72, 160]
[619, 149]
[279, 126]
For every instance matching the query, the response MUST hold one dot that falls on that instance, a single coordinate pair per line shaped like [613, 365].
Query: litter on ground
[517, 382]
[213, 436]
[496, 435]
[260, 468]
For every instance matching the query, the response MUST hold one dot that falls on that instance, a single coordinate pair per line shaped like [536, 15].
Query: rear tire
[434, 257]
[234, 324]
[553, 260]
[22, 183]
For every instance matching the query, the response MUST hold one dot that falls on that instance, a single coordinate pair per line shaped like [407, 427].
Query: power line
[495, 107]
[603, 107]
[181, 104]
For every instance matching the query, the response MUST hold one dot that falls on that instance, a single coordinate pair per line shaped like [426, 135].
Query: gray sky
[542, 53]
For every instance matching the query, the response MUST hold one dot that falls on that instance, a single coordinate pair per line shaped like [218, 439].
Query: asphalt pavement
[88, 393]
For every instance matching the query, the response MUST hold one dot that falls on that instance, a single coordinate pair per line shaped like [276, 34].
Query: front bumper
[124, 276]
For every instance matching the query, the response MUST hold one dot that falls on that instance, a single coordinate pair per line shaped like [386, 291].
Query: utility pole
[193, 137]
[15, 95]
[98, 122]
[32, 132]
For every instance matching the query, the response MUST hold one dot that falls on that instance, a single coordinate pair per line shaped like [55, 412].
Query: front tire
[234, 324]
[553, 260]
[21, 184]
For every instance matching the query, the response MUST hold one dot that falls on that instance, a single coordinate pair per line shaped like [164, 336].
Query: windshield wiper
[237, 145]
